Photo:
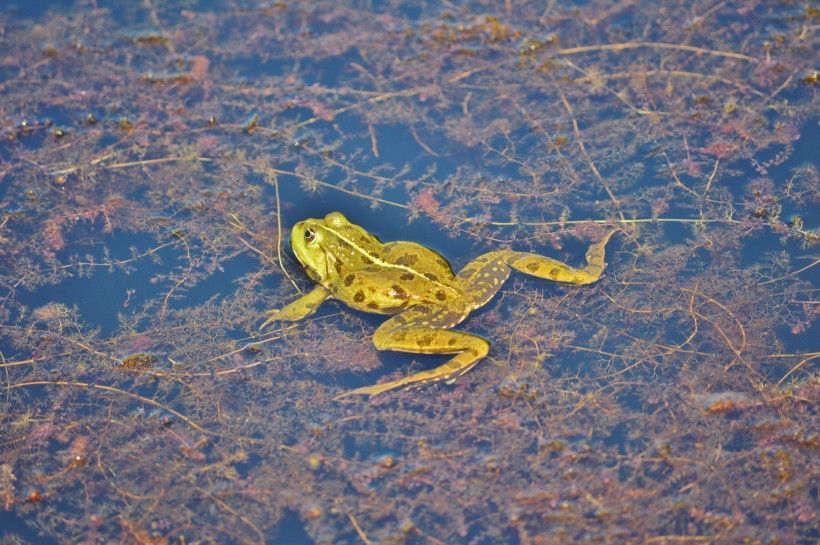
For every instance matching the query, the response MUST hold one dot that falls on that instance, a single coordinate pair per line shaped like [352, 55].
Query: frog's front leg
[422, 331]
[300, 308]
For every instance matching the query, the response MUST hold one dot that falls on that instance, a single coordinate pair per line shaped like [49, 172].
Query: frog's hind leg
[422, 331]
[545, 267]
[483, 277]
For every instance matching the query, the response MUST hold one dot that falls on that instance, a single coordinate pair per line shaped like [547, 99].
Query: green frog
[417, 286]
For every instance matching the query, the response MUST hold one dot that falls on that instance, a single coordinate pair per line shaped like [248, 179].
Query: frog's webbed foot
[422, 332]
[300, 308]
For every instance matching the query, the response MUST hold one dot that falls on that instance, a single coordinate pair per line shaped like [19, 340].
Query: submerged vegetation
[154, 155]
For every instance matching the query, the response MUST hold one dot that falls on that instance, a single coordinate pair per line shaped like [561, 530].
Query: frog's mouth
[311, 272]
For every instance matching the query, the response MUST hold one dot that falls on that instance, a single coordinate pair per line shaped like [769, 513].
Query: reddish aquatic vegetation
[722, 150]
[666, 402]
[139, 343]
[52, 235]
[199, 68]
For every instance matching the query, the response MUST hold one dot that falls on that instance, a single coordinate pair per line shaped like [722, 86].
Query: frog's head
[332, 247]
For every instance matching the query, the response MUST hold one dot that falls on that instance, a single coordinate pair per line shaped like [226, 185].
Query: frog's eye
[310, 234]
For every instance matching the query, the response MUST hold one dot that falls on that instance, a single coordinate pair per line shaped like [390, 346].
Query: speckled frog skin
[417, 285]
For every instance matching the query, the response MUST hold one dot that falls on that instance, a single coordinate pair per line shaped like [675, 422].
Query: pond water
[155, 155]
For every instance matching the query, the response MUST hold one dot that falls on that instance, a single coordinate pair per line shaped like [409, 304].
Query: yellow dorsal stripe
[382, 263]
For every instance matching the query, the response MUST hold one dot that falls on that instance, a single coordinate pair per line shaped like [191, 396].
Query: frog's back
[420, 258]
[406, 275]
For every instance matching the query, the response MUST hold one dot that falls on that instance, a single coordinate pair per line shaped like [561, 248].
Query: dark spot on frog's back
[373, 305]
[397, 292]
[431, 276]
[532, 267]
[426, 340]
[407, 276]
[359, 297]
[440, 295]
[407, 259]
[349, 279]
[366, 260]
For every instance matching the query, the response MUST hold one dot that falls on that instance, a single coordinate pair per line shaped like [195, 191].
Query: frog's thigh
[427, 340]
[483, 277]
[545, 267]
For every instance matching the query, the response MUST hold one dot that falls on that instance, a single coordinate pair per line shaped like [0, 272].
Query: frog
[417, 287]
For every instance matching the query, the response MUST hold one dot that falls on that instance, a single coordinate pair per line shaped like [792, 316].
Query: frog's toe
[373, 390]
[369, 391]
[273, 318]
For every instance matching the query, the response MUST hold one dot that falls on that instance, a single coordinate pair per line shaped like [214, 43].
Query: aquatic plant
[154, 156]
